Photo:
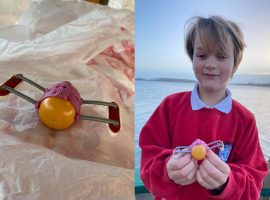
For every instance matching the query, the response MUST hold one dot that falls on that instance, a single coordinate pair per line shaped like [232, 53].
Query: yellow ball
[198, 152]
[56, 113]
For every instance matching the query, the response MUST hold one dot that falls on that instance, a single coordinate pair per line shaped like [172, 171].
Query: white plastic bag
[92, 47]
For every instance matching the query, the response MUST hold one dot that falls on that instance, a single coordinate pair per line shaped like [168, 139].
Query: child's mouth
[211, 75]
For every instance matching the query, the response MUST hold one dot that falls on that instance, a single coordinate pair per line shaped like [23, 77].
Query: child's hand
[213, 172]
[182, 170]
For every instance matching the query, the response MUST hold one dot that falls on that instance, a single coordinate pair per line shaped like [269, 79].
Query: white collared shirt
[224, 105]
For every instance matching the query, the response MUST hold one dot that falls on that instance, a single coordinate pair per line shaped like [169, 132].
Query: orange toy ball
[198, 152]
[57, 113]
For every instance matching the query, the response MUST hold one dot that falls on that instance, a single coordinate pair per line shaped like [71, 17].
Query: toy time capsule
[59, 107]
[198, 148]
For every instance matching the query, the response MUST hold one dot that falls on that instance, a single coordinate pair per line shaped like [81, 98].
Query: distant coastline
[167, 80]
[192, 81]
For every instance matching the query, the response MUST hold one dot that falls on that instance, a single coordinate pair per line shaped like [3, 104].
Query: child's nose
[211, 62]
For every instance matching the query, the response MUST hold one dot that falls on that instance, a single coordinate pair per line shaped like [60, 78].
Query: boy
[215, 47]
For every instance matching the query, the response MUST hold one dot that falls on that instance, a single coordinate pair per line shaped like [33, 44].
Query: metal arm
[15, 80]
[181, 149]
[99, 119]
[114, 115]
[103, 103]
[20, 76]
[215, 144]
[18, 94]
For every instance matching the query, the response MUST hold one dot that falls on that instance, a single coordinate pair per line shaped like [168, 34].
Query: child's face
[213, 69]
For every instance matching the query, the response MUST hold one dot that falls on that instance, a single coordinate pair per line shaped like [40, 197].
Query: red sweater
[174, 123]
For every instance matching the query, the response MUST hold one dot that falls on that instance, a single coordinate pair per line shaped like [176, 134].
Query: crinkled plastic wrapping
[31, 172]
[128, 4]
[11, 10]
[92, 47]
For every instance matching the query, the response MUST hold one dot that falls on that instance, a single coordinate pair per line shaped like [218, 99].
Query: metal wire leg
[99, 119]
[20, 76]
[103, 103]
[19, 94]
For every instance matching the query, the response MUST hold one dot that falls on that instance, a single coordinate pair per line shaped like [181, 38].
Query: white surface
[92, 47]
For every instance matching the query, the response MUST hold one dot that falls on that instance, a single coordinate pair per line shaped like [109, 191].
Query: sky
[159, 34]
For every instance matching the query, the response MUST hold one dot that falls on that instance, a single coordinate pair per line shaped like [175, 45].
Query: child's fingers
[178, 155]
[201, 180]
[186, 175]
[217, 162]
[185, 172]
[192, 174]
[211, 169]
[186, 181]
[209, 177]
[176, 164]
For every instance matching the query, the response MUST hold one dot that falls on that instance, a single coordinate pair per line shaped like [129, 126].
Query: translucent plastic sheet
[92, 47]
[128, 4]
[11, 10]
[31, 172]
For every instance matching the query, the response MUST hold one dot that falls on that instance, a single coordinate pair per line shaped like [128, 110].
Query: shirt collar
[224, 106]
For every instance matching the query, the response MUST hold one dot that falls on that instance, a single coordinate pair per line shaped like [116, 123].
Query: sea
[253, 91]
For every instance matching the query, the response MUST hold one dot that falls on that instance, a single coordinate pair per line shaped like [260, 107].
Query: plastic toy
[198, 148]
[59, 107]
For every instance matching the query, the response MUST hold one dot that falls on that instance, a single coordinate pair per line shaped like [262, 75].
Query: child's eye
[201, 56]
[222, 57]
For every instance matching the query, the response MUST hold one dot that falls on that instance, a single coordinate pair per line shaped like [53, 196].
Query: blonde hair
[214, 32]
